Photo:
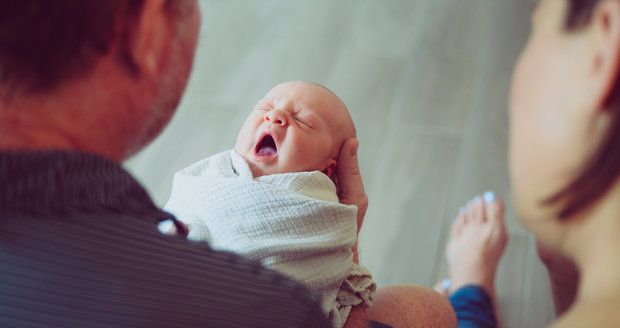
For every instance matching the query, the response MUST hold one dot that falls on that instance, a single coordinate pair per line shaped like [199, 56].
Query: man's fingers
[351, 186]
[349, 176]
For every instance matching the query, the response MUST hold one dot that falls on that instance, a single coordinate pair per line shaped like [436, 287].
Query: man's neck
[13, 136]
[15, 140]
[94, 113]
[43, 124]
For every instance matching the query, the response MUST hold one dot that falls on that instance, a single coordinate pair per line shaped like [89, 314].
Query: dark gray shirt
[79, 247]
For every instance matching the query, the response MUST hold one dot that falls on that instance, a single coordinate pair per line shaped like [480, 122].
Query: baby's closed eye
[302, 120]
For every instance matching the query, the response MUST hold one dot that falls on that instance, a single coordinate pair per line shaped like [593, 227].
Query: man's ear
[148, 38]
[330, 170]
[605, 37]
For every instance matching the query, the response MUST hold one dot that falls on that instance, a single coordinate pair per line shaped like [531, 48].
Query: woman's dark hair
[43, 42]
[602, 170]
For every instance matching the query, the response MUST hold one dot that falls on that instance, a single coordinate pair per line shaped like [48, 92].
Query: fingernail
[462, 210]
[490, 197]
[446, 284]
[477, 199]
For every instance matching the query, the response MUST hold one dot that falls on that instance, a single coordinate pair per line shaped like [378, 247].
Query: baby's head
[297, 127]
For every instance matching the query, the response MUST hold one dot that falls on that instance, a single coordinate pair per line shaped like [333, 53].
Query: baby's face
[296, 127]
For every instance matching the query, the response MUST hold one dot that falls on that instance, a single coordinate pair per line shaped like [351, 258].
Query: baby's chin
[259, 169]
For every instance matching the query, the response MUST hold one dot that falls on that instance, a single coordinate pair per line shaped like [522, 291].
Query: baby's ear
[330, 171]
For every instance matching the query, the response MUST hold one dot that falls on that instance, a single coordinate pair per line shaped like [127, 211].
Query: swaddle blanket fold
[292, 223]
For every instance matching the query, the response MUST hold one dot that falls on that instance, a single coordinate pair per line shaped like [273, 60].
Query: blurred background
[427, 83]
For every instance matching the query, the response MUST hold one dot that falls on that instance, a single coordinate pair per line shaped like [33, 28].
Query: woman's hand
[350, 185]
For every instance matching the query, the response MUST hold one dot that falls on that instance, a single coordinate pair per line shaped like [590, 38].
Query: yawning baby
[274, 197]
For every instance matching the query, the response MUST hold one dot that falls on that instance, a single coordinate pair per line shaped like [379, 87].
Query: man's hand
[350, 185]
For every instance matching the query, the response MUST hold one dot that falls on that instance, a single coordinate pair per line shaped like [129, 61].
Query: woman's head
[565, 114]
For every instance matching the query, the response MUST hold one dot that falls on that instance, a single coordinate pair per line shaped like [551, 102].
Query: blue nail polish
[446, 284]
[490, 197]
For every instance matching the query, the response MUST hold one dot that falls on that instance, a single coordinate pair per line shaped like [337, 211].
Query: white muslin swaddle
[292, 223]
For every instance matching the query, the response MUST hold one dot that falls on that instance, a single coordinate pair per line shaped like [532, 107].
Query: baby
[274, 197]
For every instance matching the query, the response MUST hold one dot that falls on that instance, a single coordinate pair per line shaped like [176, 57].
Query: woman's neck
[598, 298]
[599, 278]
[596, 250]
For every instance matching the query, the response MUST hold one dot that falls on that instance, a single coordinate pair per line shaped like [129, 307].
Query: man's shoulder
[224, 283]
[118, 259]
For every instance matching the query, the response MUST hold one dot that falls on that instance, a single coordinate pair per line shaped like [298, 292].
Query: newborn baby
[273, 198]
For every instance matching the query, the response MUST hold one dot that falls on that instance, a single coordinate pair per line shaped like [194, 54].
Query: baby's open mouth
[267, 147]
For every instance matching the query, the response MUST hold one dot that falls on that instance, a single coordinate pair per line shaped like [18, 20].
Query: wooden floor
[427, 83]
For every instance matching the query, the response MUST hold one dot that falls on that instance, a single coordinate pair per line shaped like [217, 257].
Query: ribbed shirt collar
[62, 181]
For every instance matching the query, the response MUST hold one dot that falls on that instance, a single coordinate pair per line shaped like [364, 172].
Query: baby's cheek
[294, 158]
[245, 138]
[241, 143]
[329, 147]
[320, 154]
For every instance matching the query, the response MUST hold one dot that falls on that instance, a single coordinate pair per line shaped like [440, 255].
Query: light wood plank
[408, 194]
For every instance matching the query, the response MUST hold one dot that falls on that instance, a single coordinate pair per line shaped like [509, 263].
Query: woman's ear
[148, 37]
[330, 170]
[605, 36]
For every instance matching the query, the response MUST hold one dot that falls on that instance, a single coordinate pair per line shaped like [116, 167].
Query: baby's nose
[276, 117]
